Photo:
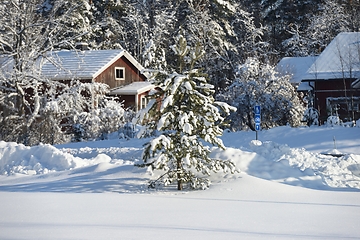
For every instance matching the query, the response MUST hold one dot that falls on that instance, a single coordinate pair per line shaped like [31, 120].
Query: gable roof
[65, 64]
[295, 66]
[340, 59]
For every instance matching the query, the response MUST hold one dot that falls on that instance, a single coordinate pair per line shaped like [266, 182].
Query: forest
[242, 42]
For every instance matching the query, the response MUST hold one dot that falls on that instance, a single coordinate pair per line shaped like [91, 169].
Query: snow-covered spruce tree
[227, 33]
[311, 114]
[324, 26]
[183, 110]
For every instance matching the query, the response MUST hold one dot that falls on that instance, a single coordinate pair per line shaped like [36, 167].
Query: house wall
[335, 88]
[131, 74]
[128, 100]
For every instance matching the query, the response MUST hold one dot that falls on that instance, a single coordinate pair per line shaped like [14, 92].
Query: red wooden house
[332, 76]
[116, 68]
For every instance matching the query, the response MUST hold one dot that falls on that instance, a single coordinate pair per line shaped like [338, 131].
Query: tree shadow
[120, 179]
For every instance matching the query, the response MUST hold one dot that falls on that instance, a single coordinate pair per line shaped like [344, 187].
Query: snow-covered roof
[295, 66]
[87, 64]
[133, 88]
[340, 59]
[304, 86]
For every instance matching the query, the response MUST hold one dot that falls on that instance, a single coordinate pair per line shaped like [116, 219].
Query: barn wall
[334, 88]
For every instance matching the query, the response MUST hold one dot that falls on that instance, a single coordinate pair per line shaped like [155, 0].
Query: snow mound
[293, 164]
[44, 158]
[41, 159]
[267, 159]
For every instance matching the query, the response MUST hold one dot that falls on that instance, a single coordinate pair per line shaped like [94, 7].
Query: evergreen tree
[108, 26]
[313, 35]
[324, 26]
[153, 24]
[227, 33]
[184, 111]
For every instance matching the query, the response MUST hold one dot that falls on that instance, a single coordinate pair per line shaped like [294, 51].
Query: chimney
[82, 46]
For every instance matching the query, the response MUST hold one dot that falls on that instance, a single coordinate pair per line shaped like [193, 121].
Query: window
[120, 73]
[143, 102]
[353, 107]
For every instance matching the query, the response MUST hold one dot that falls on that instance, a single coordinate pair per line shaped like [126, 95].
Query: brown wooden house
[116, 68]
[332, 78]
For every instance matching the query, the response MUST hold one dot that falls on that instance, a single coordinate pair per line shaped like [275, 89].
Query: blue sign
[257, 118]
[257, 109]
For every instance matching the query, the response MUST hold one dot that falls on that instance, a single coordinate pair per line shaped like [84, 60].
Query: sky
[287, 188]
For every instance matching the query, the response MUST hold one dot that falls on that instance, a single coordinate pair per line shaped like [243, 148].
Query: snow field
[91, 190]
[268, 160]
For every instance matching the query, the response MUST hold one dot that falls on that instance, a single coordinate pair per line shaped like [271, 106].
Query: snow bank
[41, 159]
[18, 158]
[264, 159]
[294, 164]
[44, 158]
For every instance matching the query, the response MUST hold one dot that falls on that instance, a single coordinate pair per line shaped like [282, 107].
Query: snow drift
[264, 159]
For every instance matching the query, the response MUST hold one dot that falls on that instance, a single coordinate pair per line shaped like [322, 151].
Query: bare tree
[29, 29]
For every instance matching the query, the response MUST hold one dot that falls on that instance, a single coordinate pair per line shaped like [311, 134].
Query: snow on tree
[296, 45]
[161, 24]
[331, 19]
[259, 84]
[185, 113]
[26, 36]
[226, 32]
[108, 28]
[75, 16]
[83, 112]
[33, 108]
[324, 27]
[311, 116]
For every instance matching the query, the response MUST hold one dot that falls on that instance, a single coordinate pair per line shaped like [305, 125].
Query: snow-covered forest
[242, 42]
[75, 163]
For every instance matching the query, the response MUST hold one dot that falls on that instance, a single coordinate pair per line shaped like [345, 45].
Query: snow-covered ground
[286, 189]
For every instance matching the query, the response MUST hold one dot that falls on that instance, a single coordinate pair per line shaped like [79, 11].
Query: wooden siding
[334, 88]
[131, 74]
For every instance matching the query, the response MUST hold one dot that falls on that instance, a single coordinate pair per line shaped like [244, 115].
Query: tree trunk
[179, 181]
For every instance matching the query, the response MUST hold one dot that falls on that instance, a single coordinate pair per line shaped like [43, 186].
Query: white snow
[290, 187]
[296, 67]
[340, 59]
